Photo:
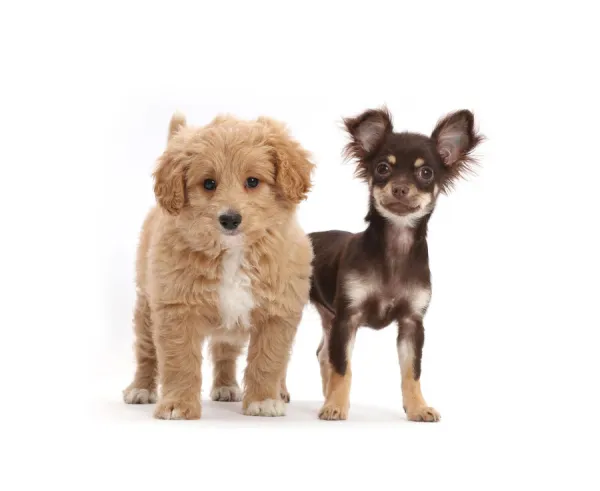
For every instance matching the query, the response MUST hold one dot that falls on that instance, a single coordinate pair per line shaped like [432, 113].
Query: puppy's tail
[177, 122]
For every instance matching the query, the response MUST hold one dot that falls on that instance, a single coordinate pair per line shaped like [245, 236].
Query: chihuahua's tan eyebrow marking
[419, 162]
[391, 159]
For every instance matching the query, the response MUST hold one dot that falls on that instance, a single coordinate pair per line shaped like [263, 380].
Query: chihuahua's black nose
[400, 190]
[230, 220]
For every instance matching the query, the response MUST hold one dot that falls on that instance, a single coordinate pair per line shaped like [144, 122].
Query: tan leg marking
[414, 403]
[323, 350]
[324, 365]
[337, 402]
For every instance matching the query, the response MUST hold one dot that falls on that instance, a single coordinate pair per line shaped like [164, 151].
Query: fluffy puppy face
[407, 171]
[229, 181]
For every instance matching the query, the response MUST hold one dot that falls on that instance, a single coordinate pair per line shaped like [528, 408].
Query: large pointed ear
[293, 168]
[455, 138]
[367, 132]
[169, 176]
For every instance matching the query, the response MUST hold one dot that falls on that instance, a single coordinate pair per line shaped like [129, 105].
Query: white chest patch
[235, 290]
[419, 299]
[361, 287]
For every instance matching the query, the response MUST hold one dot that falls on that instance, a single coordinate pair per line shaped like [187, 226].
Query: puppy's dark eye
[382, 169]
[210, 184]
[252, 182]
[425, 173]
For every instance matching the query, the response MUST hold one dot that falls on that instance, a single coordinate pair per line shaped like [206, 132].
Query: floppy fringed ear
[367, 133]
[177, 122]
[455, 138]
[293, 168]
[169, 180]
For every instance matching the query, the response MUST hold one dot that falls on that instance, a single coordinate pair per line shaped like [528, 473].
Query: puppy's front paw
[333, 412]
[231, 393]
[285, 395]
[268, 407]
[423, 413]
[178, 410]
[133, 395]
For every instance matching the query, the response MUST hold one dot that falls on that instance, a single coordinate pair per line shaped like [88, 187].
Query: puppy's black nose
[400, 190]
[230, 220]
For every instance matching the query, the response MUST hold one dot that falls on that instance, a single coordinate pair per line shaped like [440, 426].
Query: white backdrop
[512, 338]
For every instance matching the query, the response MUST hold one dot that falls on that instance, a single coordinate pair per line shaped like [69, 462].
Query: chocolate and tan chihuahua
[381, 275]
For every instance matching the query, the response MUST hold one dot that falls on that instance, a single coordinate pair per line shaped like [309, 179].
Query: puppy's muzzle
[230, 220]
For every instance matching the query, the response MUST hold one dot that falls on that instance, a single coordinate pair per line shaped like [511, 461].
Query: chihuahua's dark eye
[252, 182]
[425, 173]
[383, 169]
[210, 184]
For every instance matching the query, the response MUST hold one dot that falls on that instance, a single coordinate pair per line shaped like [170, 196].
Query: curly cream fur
[181, 270]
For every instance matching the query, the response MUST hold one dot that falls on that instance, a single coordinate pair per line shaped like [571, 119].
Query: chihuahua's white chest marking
[359, 288]
[235, 290]
[419, 298]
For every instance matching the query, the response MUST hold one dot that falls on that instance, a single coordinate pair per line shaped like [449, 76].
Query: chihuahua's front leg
[411, 336]
[340, 343]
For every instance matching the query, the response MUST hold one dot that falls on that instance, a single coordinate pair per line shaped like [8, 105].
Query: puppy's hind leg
[143, 388]
[224, 355]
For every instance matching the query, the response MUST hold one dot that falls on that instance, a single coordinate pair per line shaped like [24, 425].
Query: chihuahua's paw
[333, 412]
[178, 409]
[423, 413]
[133, 395]
[230, 393]
[268, 407]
